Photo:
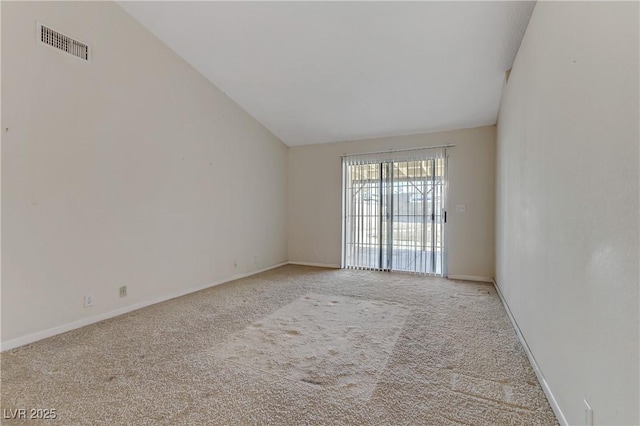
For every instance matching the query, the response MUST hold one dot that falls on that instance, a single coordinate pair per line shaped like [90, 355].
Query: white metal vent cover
[63, 42]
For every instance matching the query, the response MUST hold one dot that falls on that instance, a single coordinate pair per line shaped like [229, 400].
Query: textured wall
[567, 204]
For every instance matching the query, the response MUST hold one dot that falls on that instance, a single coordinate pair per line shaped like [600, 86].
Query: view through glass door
[394, 213]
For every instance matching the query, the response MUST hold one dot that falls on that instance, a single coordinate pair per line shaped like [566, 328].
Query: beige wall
[567, 204]
[130, 170]
[315, 197]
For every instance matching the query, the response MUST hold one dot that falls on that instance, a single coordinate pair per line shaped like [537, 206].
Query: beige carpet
[295, 345]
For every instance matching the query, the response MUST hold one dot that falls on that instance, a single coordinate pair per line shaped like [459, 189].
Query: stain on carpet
[339, 343]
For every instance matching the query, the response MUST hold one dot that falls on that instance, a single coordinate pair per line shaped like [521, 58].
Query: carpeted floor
[295, 345]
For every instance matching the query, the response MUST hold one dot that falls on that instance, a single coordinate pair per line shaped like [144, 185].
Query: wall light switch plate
[461, 208]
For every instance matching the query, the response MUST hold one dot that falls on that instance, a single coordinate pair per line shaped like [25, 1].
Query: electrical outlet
[123, 291]
[461, 208]
[588, 414]
[88, 301]
[235, 264]
[256, 260]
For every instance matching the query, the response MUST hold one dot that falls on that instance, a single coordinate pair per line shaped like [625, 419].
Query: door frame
[444, 202]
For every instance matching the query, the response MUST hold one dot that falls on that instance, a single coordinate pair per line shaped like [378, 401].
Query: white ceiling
[315, 72]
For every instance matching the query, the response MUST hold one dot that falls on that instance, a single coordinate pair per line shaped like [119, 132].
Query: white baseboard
[470, 278]
[39, 335]
[543, 383]
[319, 265]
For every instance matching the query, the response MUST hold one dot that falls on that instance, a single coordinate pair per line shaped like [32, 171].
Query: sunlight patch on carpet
[334, 343]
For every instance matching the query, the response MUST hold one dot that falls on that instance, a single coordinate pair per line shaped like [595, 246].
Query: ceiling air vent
[62, 42]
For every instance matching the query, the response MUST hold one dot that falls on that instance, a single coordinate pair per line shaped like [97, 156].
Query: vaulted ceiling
[315, 72]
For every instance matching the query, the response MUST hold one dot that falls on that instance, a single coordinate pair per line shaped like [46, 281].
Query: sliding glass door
[393, 212]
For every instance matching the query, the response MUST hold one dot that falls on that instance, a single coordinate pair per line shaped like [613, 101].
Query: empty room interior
[287, 213]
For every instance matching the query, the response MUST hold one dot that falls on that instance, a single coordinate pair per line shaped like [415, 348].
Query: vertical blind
[393, 211]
